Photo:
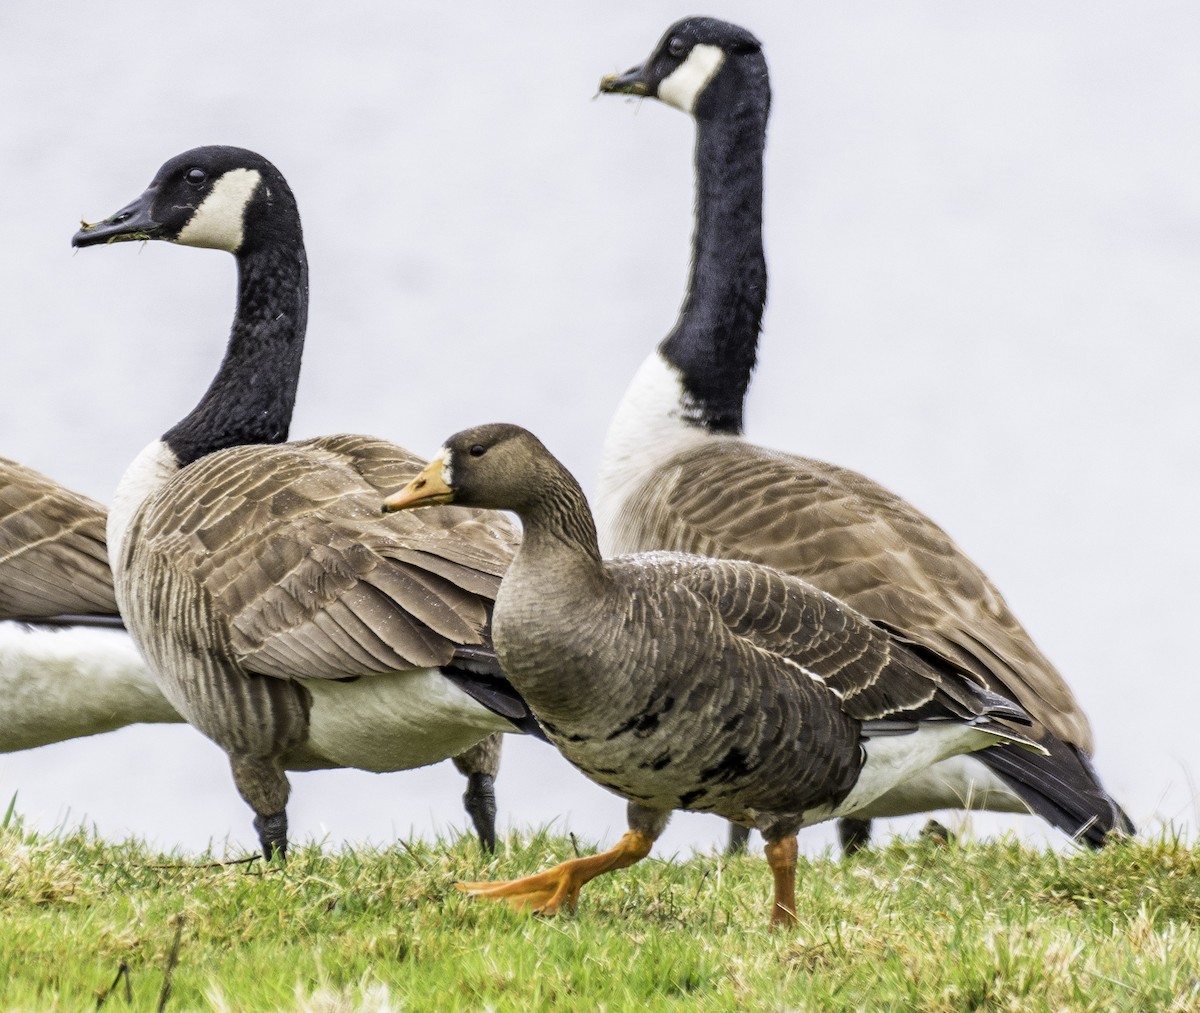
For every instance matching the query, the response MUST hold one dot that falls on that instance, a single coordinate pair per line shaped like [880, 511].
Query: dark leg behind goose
[855, 834]
[479, 764]
[739, 838]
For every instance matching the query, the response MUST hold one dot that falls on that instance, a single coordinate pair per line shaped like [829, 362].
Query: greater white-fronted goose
[676, 440]
[282, 615]
[682, 682]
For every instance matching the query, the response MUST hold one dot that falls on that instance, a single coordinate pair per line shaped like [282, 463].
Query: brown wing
[862, 544]
[292, 553]
[868, 674]
[52, 551]
[752, 661]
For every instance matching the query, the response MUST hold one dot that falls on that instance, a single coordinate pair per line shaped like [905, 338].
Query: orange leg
[781, 857]
[547, 891]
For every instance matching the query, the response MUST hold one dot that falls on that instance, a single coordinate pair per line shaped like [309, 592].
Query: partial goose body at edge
[53, 559]
[65, 683]
[62, 681]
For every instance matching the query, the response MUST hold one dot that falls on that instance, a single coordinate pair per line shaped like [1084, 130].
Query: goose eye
[196, 176]
[677, 46]
[477, 450]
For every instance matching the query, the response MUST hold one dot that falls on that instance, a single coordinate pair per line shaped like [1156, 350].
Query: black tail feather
[97, 621]
[496, 693]
[1062, 788]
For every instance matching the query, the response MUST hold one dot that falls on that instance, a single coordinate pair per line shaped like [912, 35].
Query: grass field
[913, 925]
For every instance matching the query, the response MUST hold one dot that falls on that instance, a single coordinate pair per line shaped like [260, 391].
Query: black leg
[262, 783]
[739, 837]
[272, 834]
[480, 803]
[479, 766]
[854, 834]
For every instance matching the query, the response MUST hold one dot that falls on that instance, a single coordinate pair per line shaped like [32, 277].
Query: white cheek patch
[218, 222]
[684, 84]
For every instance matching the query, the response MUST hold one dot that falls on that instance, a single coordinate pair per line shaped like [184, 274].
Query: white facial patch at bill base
[218, 222]
[684, 84]
[445, 457]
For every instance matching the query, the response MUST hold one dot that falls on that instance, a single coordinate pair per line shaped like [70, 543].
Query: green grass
[913, 925]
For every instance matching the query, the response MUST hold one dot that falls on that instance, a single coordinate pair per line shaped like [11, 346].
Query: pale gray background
[982, 234]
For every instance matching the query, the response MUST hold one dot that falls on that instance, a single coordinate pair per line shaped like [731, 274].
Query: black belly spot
[688, 797]
[732, 765]
[643, 724]
[660, 761]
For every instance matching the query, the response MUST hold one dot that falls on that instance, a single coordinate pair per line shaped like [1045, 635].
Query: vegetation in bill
[914, 925]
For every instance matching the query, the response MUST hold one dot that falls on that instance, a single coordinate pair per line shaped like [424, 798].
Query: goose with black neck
[282, 615]
[677, 436]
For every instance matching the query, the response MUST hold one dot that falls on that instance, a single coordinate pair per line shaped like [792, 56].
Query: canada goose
[283, 616]
[60, 678]
[682, 682]
[677, 437]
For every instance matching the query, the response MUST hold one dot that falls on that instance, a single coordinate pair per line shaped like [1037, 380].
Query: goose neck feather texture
[714, 341]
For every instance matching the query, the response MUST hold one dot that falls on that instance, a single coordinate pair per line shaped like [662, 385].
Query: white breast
[153, 468]
[648, 429]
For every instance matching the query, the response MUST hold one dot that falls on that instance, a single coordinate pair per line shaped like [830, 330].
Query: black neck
[714, 341]
[251, 398]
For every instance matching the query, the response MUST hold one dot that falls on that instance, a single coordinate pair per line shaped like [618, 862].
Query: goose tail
[1059, 784]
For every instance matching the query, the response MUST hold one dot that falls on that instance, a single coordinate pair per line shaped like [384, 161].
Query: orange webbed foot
[546, 893]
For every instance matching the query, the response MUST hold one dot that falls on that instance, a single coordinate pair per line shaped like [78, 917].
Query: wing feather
[53, 558]
[309, 579]
[864, 545]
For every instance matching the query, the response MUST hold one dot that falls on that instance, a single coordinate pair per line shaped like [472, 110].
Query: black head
[693, 55]
[217, 197]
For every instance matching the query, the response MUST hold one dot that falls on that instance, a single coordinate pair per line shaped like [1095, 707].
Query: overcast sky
[983, 232]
